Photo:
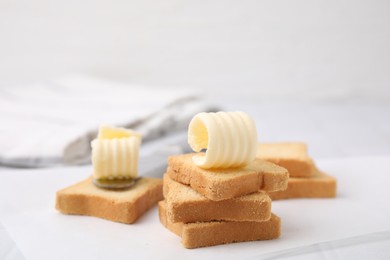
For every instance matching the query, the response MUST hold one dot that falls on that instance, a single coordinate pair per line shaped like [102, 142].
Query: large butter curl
[115, 153]
[230, 139]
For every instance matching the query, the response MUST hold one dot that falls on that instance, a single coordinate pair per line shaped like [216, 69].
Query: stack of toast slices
[219, 206]
[305, 180]
[210, 207]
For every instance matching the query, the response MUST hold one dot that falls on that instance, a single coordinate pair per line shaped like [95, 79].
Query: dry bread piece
[186, 205]
[292, 155]
[202, 234]
[220, 184]
[124, 206]
[320, 185]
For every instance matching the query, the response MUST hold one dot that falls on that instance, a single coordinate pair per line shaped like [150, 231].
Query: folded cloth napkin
[54, 122]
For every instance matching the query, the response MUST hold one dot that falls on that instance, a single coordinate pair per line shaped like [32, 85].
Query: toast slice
[202, 234]
[124, 206]
[320, 185]
[293, 156]
[221, 184]
[186, 205]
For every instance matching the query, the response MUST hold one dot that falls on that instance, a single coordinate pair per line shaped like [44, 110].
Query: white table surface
[350, 140]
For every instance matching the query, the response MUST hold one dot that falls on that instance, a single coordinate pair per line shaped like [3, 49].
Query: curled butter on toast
[229, 137]
[115, 153]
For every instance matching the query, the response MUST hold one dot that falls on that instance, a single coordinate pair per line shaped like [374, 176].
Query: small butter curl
[229, 137]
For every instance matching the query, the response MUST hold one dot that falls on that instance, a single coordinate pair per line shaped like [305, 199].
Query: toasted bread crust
[221, 184]
[186, 205]
[320, 185]
[291, 155]
[202, 234]
[84, 198]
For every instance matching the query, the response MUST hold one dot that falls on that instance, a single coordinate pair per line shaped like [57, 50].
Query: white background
[316, 71]
[263, 49]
